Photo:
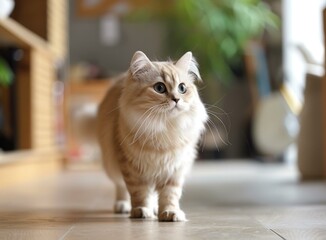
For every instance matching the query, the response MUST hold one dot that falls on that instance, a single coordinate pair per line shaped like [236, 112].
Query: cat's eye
[160, 87]
[182, 88]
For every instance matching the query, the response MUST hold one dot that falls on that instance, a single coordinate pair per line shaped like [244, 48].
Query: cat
[149, 125]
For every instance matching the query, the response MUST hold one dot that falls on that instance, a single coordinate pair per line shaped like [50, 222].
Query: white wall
[302, 21]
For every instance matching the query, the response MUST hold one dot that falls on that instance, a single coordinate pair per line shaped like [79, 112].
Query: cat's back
[108, 111]
[107, 123]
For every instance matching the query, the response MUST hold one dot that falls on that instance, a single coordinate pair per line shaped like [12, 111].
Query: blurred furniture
[82, 99]
[324, 98]
[94, 90]
[310, 139]
[38, 28]
[85, 8]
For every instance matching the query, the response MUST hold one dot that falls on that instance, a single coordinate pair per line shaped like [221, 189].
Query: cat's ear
[189, 64]
[140, 64]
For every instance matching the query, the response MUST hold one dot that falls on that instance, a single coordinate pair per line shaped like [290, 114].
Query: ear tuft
[139, 64]
[188, 64]
[193, 70]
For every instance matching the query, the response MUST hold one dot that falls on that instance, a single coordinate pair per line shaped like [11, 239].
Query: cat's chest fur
[158, 147]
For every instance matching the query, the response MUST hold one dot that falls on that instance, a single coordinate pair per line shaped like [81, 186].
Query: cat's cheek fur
[140, 121]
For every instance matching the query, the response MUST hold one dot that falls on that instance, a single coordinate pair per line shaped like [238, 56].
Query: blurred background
[262, 62]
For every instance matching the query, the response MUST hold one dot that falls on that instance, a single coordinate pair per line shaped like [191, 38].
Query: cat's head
[162, 87]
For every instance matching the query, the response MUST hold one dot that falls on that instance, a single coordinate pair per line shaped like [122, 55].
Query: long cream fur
[148, 138]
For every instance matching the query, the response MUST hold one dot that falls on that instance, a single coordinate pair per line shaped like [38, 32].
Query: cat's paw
[172, 216]
[155, 211]
[142, 212]
[122, 206]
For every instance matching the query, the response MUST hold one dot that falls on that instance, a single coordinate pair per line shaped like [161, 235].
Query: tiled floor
[230, 200]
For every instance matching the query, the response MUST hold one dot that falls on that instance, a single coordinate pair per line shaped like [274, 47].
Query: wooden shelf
[37, 27]
[23, 166]
[14, 32]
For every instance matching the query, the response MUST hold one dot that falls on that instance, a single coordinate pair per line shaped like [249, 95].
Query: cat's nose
[176, 100]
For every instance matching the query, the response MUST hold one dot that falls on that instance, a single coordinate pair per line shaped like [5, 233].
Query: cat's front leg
[141, 201]
[169, 196]
[122, 203]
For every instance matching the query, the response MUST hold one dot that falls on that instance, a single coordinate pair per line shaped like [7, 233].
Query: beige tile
[222, 201]
[302, 233]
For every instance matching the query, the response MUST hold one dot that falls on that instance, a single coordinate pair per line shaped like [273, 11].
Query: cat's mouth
[175, 108]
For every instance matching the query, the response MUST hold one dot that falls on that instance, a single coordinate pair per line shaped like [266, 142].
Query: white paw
[142, 212]
[122, 206]
[155, 211]
[172, 216]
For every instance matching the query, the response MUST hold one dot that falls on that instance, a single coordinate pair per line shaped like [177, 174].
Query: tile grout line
[277, 234]
[66, 233]
[79, 219]
[267, 228]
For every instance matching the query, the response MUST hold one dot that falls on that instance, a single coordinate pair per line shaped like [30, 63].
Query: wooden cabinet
[324, 97]
[39, 28]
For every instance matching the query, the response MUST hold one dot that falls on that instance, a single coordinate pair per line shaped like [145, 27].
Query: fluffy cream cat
[150, 123]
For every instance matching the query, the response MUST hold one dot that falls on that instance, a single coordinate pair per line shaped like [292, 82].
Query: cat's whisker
[217, 113]
[151, 123]
[141, 152]
[162, 134]
[140, 131]
[212, 113]
[216, 102]
[202, 142]
[153, 133]
[209, 106]
[140, 119]
[225, 128]
[211, 131]
[114, 109]
[168, 138]
[211, 125]
[148, 118]
[220, 109]
[202, 88]
[217, 131]
[150, 135]
[226, 142]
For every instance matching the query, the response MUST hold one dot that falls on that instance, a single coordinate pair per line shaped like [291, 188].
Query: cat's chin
[176, 111]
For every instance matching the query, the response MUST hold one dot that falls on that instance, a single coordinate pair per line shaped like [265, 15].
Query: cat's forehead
[165, 66]
[168, 72]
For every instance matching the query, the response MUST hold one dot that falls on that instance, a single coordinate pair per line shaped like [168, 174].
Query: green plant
[6, 74]
[217, 31]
